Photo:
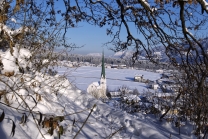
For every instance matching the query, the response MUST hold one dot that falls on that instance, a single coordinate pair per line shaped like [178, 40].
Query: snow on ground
[82, 77]
[55, 97]
[60, 98]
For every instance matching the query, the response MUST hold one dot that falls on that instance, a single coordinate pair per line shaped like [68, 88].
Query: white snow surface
[60, 98]
[82, 77]
[9, 60]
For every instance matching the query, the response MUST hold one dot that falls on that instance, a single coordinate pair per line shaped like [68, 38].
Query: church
[98, 89]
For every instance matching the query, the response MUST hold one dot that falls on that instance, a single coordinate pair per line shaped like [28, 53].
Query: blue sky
[93, 37]
[90, 37]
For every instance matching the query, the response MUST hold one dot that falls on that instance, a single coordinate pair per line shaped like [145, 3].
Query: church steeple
[103, 67]
[99, 92]
[103, 85]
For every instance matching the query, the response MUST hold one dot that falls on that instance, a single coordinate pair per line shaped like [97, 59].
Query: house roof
[132, 97]
[115, 93]
[138, 75]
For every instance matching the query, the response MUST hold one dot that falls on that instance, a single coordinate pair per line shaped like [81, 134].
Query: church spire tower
[103, 67]
[103, 79]
[98, 89]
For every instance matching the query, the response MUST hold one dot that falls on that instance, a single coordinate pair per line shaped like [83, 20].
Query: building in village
[138, 78]
[131, 98]
[153, 85]
[98, 89]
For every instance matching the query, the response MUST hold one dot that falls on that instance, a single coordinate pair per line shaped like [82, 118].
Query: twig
[116, 132]
[85, 121]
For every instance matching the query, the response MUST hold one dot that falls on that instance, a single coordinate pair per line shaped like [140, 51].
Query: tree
[136, 92]
[124, 90]
[30, 30]
[108, 94]
[175, 26]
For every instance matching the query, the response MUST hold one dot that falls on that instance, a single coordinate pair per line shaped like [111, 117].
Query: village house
[138, 78]
[122, 66]
[153, 85]
[108, 66]
[114, 66]
[131, 98]
[159, 71]
[167, 75]
[165, 81]
[168, 86]
[163, 96]
[115, 94]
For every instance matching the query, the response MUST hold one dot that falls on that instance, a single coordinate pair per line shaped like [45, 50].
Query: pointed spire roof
[103, 66]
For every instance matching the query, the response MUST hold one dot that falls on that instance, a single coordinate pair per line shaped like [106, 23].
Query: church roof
[97, 84]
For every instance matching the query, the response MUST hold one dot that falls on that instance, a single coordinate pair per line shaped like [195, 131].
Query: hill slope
[33, 95]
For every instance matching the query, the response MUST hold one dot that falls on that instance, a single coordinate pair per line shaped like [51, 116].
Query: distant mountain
[158, 51]
[123, 54]
[95, 54]
[185, 45]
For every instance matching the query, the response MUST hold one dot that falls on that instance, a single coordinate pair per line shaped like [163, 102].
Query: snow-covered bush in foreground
[34, 96]
[16, 61]
[29, 96]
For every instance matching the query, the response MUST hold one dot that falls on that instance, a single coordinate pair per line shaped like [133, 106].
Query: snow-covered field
[60, 98]
[82, 77]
